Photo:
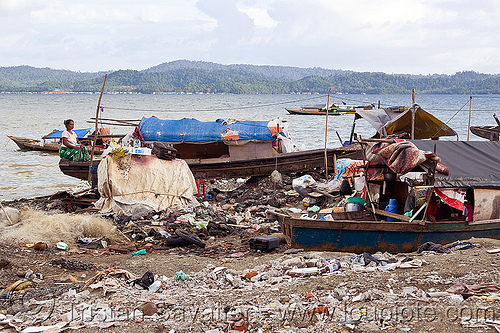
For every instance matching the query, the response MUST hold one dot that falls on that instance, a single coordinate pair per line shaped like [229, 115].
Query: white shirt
[72, 139]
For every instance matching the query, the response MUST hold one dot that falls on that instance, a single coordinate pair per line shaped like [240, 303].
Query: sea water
[25, 174]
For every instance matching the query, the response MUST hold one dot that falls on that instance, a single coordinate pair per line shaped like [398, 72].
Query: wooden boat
[334, 110]
[491, 133]
[371, 236]
[40, 145]
[223, 167]
[321, 112]
[35, 144]
[475, 173]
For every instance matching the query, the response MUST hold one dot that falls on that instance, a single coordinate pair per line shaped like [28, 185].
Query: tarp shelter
[471, 163]
[192, 130]
[395, 120]
[80, 133]
[136, 185]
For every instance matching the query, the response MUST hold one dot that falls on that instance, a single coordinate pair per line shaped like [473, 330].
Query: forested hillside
[184, 76]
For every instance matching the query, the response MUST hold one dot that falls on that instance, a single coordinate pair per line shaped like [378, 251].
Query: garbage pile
[296, 291]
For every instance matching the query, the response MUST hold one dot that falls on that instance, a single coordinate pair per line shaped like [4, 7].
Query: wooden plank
[393, 215]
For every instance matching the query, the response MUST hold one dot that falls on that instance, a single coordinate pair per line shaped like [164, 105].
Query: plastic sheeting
[136, 185]
[471, 163]
[80, 133]
[391, 121]
[192, 130]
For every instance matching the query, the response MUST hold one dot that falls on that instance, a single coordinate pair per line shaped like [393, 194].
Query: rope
[219, 109]
[446, 123]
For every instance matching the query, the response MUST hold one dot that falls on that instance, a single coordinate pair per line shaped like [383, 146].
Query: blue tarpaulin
[192, 130]
[80, 133]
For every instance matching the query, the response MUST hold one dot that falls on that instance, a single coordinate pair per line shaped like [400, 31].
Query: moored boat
[456, 203]
[52, 141]
[227, 149]
[491, 133]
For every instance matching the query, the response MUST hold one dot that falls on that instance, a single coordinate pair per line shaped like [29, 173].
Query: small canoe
[41, 145]
[491, 133]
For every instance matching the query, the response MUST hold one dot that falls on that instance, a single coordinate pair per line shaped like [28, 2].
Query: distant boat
[333, 110]
[491, 133]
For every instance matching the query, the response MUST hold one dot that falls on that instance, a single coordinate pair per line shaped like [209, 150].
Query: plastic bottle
[155, 286]
[392, 207]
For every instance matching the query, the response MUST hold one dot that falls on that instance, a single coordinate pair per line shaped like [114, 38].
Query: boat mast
[96, 130]
[326, 133]
[470, 114]
[413, 115]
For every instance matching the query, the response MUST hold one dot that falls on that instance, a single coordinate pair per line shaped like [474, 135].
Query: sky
[390, 36]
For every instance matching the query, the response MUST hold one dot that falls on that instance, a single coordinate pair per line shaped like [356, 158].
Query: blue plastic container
[392, 207]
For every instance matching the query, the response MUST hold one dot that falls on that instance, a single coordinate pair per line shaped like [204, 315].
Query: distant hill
[284, 73]
[207, 77]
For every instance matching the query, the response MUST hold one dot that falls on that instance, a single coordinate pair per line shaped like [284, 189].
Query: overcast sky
[391, 36]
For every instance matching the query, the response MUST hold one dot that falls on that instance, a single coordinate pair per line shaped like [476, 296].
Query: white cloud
[399, 36]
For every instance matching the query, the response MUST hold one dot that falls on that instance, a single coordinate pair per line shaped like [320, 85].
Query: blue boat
[472, 179]
[358, 236]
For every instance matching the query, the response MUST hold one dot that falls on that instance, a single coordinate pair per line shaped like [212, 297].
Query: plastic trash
[62, 246]
[180, 276]
[155, 286]
[359, 183]
[140, 252]
[392, 207]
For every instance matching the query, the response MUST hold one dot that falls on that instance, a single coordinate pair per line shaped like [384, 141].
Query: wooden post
[470, 115]
[326, 134]
[96, 130]
[413, 115]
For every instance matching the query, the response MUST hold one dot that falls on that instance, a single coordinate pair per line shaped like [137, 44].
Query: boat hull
[373, 236]
[316, 112]
[35, 144]
[491, 133]
[220, 168]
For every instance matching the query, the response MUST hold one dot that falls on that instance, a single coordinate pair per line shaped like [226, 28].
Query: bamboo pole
[470, 115]
[326, 133]
[413, 115]
[96, 130]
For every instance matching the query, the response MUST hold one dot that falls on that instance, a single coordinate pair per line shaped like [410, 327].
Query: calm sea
[25, 174]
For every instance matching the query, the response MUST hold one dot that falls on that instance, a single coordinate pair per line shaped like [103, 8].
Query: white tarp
[138, 184]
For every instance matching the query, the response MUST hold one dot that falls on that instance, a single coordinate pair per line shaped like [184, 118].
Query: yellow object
[118, 153]
[19, 285]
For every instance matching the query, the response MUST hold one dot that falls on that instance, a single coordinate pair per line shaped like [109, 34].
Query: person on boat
[71, 147]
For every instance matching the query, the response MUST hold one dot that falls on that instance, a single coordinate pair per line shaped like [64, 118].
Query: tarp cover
[192, 130]
[80, 133]
[137, 185]
[471, 163]
[392, 121]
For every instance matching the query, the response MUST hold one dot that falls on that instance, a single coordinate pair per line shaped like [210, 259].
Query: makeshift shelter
[135, 185]
[238, 140]
[397, 121]
[472, 165]
[462, 173]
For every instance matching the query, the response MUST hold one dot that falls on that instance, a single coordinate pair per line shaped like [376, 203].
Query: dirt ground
[232, 288]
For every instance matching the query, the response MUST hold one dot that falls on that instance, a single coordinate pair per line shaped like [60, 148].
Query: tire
[192, 239]
[175, 241]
